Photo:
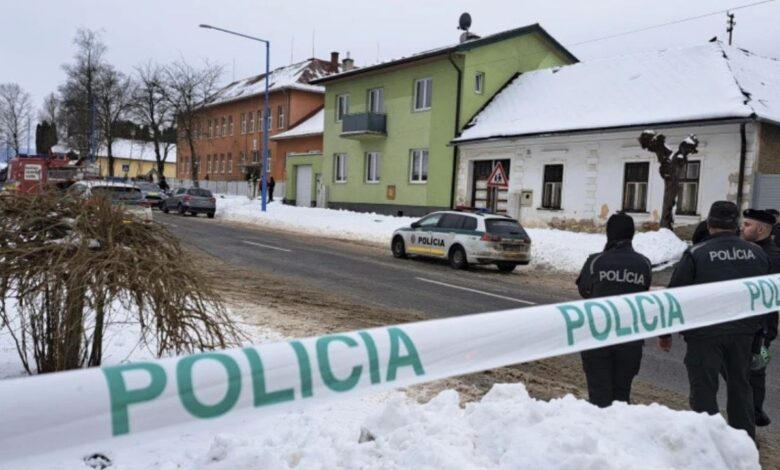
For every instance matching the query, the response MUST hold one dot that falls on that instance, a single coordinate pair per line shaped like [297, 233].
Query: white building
[568, 137]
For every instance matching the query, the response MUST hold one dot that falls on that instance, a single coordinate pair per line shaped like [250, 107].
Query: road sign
[498, 177]
[125, 168]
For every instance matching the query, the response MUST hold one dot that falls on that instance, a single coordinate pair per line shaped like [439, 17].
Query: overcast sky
[38, 34]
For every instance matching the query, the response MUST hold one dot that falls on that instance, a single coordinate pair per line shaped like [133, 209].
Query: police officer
[616, 270]
[776, 225]
[757, 227]
[722, 256]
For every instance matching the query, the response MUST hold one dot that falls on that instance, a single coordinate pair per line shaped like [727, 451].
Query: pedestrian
[757, 228]
[776, 226]
[271, 185]
[725, 346]
[618, 269]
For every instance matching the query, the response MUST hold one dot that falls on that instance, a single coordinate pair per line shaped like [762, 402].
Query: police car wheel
[505, 267]
[458, 258]
[399, 250]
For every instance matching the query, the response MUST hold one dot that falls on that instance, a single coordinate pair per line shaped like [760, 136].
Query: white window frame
[639, 188]
[340, 168]
[224, 127]
[687, 182]
[230, 126]
[376, 95]
[230, 163]
[373, 165]
[479, 83]
[556, 188]
[419, 158]
[280, 117]
[251, 124]
[243, 123]
[427, 99]
[339, 113]
[270, 118]
[208, 162]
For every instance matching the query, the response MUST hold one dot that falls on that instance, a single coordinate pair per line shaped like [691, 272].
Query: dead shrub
[66, 264]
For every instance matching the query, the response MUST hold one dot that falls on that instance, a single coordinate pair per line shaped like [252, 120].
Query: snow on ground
[551, 249]
[506, 429]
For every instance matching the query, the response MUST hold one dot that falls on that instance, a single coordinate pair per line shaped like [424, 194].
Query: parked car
[125, 195]
[193, 200]
[465, 238]
[152, 193]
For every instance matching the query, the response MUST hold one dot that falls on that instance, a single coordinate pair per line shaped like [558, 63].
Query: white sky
[37, 34]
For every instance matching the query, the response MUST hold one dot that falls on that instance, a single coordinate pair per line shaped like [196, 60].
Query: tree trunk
[194, 161]
[110, 158]
[670, 197]
[70, 346]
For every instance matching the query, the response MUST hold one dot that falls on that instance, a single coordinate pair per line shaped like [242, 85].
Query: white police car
[465, 238]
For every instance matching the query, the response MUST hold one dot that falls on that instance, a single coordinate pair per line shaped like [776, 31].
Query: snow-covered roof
[315, 125]
[136, 150]
[3, 165]
[711, 81]
[295, 76]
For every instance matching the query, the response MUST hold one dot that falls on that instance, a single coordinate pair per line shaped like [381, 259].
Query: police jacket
[776, 234]
[769, 327]
[616, 270]
[721, 257]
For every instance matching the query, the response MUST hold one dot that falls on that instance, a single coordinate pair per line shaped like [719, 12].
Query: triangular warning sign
[498, 177]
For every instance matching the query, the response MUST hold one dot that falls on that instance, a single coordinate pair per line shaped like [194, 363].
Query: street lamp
[266, 111]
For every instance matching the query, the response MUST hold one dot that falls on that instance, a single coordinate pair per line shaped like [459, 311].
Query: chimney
[347, 64]
[334, 60]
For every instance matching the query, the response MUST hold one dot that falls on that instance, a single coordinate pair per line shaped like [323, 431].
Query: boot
[762, 419]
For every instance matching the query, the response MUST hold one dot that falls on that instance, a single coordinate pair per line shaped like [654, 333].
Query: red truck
[32, 174]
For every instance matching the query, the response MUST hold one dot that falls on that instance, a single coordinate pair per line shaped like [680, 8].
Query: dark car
[193, 200]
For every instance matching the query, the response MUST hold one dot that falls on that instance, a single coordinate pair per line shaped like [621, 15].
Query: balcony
[364, 126]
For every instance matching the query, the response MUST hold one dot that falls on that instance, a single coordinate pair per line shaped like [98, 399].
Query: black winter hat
[759, 215]
[774, 212]
[620, 226]
[723, 215]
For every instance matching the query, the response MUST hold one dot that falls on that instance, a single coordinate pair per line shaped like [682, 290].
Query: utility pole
[730, 25]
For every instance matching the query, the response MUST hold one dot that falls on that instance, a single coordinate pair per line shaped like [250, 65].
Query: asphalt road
[431, 287]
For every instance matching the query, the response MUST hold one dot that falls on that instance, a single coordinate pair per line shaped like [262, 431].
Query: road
[373, 276]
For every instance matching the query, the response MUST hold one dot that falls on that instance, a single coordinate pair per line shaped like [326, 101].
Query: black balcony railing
[364, 123]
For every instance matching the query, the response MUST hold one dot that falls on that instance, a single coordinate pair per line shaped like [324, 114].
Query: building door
[303, 185]
[483, 197]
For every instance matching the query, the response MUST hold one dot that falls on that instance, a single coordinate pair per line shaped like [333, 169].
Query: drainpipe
[457, 131]
[742, 158]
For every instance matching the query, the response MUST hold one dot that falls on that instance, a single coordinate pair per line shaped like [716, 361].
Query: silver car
[124, 195]
[193, 200]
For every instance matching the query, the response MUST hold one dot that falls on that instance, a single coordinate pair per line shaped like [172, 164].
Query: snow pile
[550, 249]
[506, 429]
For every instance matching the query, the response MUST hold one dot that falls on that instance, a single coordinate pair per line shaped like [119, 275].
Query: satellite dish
[464, 22]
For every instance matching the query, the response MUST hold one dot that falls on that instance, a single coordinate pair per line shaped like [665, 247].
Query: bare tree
[15, 112]
[50, 111]
[671, 165]
[78, 93]
[188, 90]
[113, 97]
[153, 109]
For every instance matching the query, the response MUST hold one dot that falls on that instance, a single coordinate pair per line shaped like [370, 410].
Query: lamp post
[266, 110]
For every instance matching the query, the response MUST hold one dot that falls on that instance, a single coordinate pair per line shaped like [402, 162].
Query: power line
[727, 10]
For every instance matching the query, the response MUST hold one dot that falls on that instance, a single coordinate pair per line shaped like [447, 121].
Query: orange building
[229, 141]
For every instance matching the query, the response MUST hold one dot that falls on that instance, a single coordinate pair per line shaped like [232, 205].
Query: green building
[388, 127]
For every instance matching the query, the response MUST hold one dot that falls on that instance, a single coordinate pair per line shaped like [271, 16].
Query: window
[373, 162]
[269, 121]
[479, 83]
[210, 129]
[688, 188]
[280, 117]
[259, 121]
[251, 124]
[208, 163]
[222, 163]
[243, 123]
[635, 187]
[342, 107]
[551, 193]
[241, 160]
[340, 168]
[376, 100]
[419, 166]
[224, 127]
[230, 164]
[230, 126]
[429, 221]
[451, 221]
[422, 94]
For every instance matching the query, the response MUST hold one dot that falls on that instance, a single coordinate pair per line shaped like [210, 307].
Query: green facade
[431, 129]
[295, 160]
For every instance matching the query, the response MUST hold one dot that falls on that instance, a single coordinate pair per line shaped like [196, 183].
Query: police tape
[54, 411]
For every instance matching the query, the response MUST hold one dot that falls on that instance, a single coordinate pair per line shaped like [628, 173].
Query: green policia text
[403, 353]
[640, 313]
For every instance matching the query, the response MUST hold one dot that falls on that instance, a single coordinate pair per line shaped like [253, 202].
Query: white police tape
[54, 411]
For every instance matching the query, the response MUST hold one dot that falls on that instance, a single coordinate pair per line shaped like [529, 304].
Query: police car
[465, 238]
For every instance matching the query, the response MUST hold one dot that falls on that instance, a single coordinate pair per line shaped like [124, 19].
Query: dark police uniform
[721, 257]
[610, 370]
[768, 328]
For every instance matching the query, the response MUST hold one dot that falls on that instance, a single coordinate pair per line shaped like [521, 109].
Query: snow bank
[551, 249]
[506, 429]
